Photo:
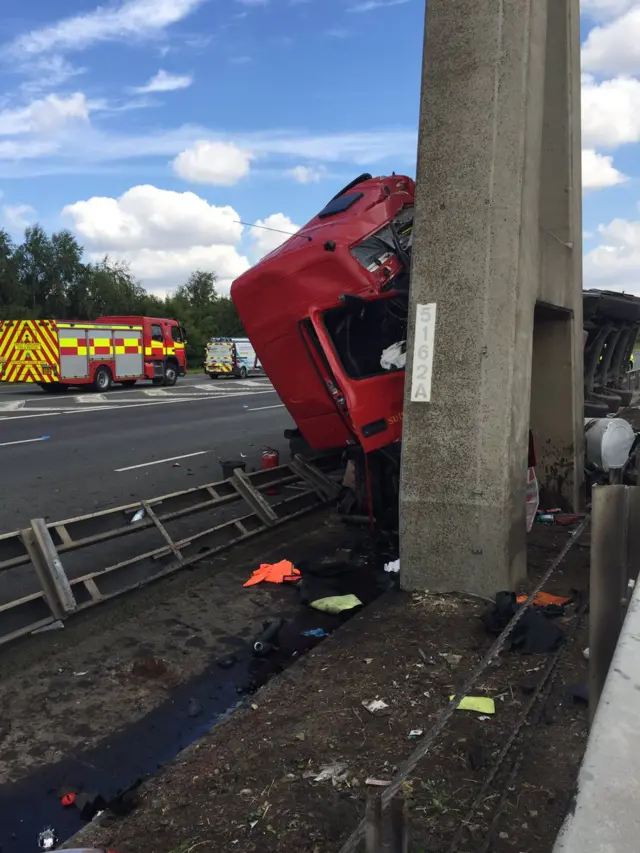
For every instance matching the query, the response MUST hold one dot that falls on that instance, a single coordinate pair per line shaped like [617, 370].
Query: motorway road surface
[62, 456]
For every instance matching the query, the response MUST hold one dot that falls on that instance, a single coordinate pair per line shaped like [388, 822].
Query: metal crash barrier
[52, 579]
[606, 815]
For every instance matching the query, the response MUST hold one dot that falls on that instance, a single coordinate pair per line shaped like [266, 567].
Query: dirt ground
[98, 674]
[250, 784]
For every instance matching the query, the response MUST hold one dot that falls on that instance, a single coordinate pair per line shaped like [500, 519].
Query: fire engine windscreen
[370, 335]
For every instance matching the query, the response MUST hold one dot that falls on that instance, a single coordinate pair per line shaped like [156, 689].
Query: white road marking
[160, 461]
[180, 391]
[90, 398]
[193, 399]
[25, 441]
[236, 383]
[262, 408]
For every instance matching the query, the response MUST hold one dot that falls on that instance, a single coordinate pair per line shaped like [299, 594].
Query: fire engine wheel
[102, 379]
[170, 374]
[243, 373]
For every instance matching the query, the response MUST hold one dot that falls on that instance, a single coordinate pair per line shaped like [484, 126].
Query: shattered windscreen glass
[376, 249]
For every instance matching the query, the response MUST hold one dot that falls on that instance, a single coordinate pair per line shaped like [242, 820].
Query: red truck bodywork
[295, 302]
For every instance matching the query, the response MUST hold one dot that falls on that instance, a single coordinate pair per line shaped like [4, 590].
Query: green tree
[12, 298]
[204, 313]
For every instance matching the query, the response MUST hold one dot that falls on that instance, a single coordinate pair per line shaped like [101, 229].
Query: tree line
[45, 277]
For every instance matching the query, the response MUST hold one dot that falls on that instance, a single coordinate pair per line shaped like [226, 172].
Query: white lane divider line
[155, 392]
[160, 461]
[262, 408]
[90, 398]
[12, 405]
[213, 387]
[25, 441]
[230, 385]
[200, 398]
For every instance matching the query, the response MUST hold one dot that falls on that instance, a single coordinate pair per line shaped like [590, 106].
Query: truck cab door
[374, 403]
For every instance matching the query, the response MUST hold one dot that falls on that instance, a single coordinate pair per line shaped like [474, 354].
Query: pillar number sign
[423, 353]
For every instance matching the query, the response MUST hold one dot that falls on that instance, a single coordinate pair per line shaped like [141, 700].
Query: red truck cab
[321, 308]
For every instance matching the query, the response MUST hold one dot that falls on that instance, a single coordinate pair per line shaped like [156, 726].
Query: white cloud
[372, 5]
[271, 232]
[602, 10]
[307, 174]
[610, 111]
[164, 82]
[221, 163]
[615, 263]
[17, 217]
[612, 48]
[131, 20]
[163, 235]
[44, 73]
[46, 115]
[252, 2]
[90, 146]
[598, 171]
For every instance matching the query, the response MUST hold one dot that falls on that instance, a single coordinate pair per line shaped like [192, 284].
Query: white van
[230, 357]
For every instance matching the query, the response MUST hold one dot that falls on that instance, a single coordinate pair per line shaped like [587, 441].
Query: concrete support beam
[490, 127]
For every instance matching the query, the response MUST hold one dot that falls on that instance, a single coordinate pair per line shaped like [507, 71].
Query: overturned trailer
[327, 315]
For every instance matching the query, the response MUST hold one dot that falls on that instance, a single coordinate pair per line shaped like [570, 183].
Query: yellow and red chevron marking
[214, 367]
[29, 351]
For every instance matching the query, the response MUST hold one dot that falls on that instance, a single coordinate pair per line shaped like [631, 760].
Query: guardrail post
[615, 558]
[48, 566]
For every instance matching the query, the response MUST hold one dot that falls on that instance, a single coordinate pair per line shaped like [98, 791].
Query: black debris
[534, 634]
[579, 693]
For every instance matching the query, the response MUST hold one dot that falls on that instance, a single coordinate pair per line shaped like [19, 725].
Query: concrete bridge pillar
[497, 258]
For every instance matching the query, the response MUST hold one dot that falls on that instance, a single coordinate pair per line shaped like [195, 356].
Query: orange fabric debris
[282, 572]
[544, 599]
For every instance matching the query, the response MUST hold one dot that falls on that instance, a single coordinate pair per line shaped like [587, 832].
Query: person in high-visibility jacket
[631, 361]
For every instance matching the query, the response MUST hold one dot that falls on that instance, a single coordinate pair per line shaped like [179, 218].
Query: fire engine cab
[56, 354]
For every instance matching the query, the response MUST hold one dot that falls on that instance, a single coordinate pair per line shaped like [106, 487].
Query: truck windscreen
[392, 239]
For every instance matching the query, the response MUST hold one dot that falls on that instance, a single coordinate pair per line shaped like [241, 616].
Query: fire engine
[58, 354]
[327, 315]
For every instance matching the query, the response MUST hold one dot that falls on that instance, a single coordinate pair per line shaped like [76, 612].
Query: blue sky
[150, 127]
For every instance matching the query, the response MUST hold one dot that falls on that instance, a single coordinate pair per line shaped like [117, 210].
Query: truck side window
[176, 334]
[156, 333]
